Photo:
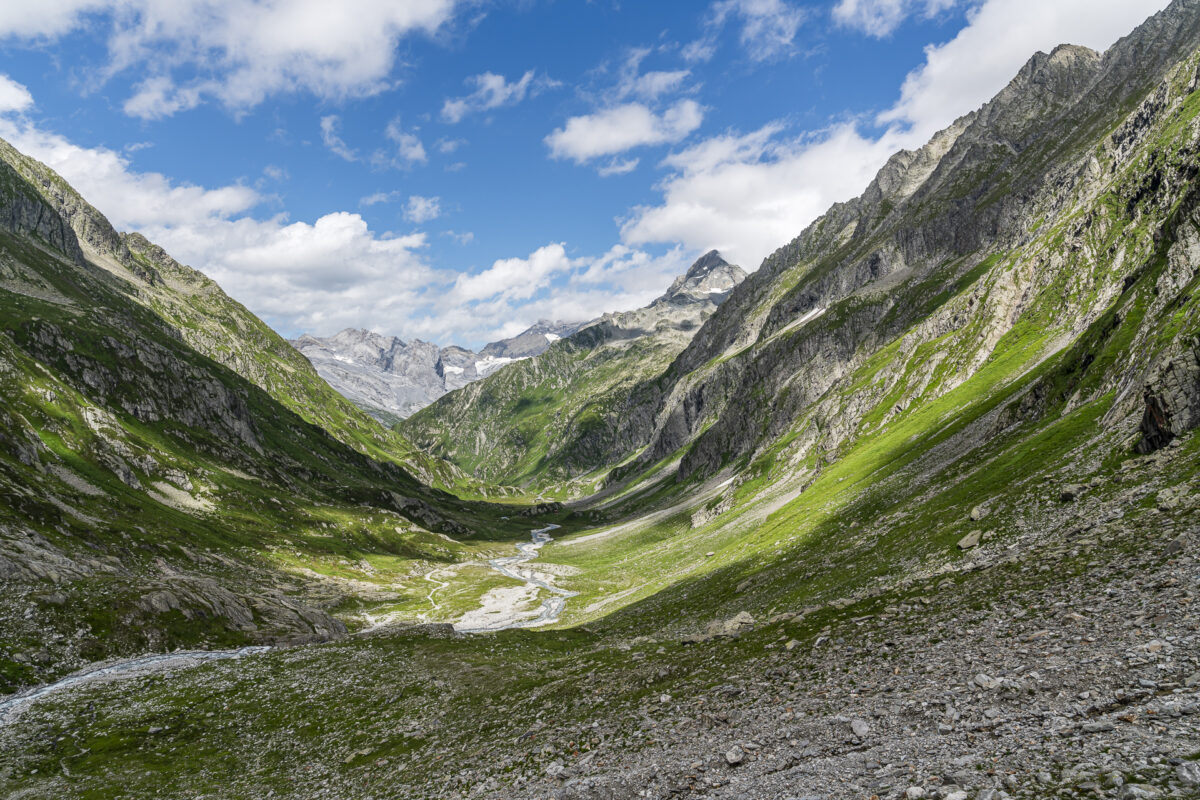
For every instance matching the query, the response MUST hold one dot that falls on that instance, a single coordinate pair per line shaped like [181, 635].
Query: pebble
[1097, 727]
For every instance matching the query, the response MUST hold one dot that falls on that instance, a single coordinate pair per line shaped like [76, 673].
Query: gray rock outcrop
[388, 377]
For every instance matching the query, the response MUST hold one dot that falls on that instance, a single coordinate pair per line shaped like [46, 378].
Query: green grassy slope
[1057, 398]
[214, 324]
[528, 424]
[155, 497]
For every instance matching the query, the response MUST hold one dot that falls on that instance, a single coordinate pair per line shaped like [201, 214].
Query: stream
[142, 665]
[552, 607]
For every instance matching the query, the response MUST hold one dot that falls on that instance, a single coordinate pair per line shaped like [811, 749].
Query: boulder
[1070, 493]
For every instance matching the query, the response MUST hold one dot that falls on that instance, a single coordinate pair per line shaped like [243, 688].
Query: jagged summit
[711, 277]
[390, 378]
[531, 341]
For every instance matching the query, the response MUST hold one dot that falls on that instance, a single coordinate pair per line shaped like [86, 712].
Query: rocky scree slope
[391, 379]
[539, 421]
[1002, 240]
[155, 491]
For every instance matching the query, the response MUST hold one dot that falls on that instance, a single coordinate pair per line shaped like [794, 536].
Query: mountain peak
[711, 277]
[706, 264]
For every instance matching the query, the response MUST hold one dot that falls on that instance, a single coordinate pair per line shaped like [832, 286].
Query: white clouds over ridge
[746, 195]
[744, 192]
[335, 272]
[999, 38]
[749, 194]
[131, 199]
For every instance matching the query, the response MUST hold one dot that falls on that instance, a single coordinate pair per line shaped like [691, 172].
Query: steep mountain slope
[878, 399]
[155, 490]
[538, 419]
[957, 256]
[391, 379]
[210, 321]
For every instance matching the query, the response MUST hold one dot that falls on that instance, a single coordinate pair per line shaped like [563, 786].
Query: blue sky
[455, 169]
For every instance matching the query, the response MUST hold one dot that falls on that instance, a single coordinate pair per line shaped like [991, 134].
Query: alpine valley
[910, 511]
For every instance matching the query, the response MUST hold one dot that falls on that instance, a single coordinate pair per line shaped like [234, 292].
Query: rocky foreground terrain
[1058, 658]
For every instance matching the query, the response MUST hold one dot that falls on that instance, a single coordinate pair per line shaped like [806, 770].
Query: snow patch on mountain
[389, 378]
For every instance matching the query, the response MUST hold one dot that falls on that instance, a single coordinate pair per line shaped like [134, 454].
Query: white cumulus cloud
[616, 130]
[237, 52]
[514, 278]
[13, 96]
[408, 146]
[647, 86]
[329, 135]
[45, 19]
[881, 17]
[768, 28]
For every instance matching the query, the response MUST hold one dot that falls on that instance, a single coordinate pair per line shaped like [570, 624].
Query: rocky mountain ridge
[392, 379]
[942, 262]
[539, 410]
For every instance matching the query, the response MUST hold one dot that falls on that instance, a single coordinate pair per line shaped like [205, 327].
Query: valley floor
[1061, 663]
